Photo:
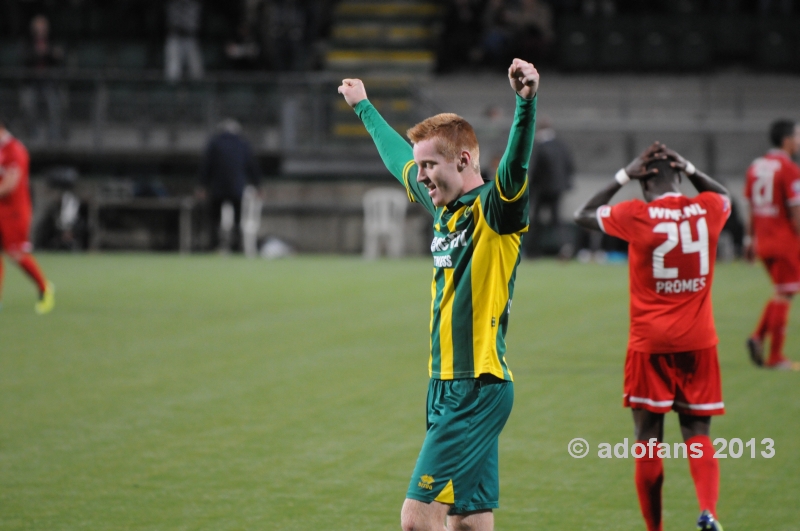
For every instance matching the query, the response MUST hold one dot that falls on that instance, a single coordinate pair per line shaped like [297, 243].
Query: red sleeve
[618, 220]
[14, 157]
[791, 184]
[747, 182]
[718, 209]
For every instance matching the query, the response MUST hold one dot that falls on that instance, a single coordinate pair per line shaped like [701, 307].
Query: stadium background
[203, 392]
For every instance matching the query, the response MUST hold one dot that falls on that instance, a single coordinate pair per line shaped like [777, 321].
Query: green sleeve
[507, 201]
[396, 153]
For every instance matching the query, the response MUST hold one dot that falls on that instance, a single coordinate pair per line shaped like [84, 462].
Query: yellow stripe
[406, 169]
[386, 9]
[350, 130]
[493, 261]
[446, 326]
[395, 104]
[381, 55]
[446, 311]
[433, 299]
[524, 186]
[451, 225]
[447, 495]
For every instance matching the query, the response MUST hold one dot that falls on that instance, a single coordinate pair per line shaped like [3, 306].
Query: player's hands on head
[524, 78]
[353, 91]
[677, 161]
[637, 169]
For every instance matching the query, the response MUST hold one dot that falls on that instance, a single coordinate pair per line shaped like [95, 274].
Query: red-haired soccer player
[672, 349]
[773, 192]
[476, 247]
[15, 216]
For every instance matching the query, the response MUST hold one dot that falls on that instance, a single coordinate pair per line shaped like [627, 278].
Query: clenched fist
[524, 78]
[353, 91]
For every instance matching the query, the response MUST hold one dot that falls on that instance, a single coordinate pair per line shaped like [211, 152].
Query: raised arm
[586, 216]
[393, 148]
[512, 172]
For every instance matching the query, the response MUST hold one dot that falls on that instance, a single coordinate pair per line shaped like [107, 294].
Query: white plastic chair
[384, 221]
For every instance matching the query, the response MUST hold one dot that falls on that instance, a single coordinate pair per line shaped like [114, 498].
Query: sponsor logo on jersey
[676, 214]
[605, 211]
[451, 241]
[442, 261]
[690, 285]
[426, 482]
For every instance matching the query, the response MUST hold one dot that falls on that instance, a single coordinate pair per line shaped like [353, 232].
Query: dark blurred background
[123, 97]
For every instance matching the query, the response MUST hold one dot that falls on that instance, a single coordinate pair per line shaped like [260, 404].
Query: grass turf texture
[187, 393]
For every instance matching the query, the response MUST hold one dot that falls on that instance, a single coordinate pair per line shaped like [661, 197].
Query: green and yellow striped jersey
[476, 249]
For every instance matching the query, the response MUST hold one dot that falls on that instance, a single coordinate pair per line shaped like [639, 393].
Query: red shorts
[687, 382]
[14, 233]
[784, 272]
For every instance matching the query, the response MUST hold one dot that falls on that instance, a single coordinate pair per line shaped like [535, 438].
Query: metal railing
[115, 110]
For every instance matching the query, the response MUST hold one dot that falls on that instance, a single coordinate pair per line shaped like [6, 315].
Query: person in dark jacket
[228, 166]
[551, 174]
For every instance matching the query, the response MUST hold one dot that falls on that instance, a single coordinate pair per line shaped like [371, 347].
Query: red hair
[453, 135]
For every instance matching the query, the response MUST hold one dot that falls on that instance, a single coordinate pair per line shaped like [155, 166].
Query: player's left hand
[353, 91]
[678, 162]
[524, 78]
[637, 169]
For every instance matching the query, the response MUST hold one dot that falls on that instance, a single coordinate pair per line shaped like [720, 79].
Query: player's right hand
[637, 169]
[353, 91]
[749, 252]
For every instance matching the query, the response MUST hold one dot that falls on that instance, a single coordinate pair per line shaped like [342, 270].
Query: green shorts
[458, 463]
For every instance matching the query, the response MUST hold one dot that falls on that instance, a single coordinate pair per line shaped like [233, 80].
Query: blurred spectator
[318, 23]
[551, 171]
[284, 33]
[228, 166]
[42, 55]
[182, 46]
[775, 7]
[496, 40]
[243, 53]
[532, 23]
[459, 40]
[592, 8]
[725, 6]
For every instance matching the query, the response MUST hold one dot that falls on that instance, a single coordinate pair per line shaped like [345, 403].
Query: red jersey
[672, 246]
[14, 155]
[772, 186]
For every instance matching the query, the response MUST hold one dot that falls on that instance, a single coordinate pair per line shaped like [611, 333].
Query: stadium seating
[388, 35]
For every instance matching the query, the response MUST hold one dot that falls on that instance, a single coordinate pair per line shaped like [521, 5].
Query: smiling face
[447, 155]
[443, 178]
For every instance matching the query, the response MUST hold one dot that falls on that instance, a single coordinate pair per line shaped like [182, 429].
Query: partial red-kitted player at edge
[15, 216]
[671, 362]
[773, 192]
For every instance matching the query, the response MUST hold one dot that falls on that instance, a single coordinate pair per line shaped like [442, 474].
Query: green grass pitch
[183, 393]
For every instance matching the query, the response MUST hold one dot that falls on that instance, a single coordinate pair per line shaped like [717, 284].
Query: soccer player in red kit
[773, 192]
[15, 216]
[671, 362]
